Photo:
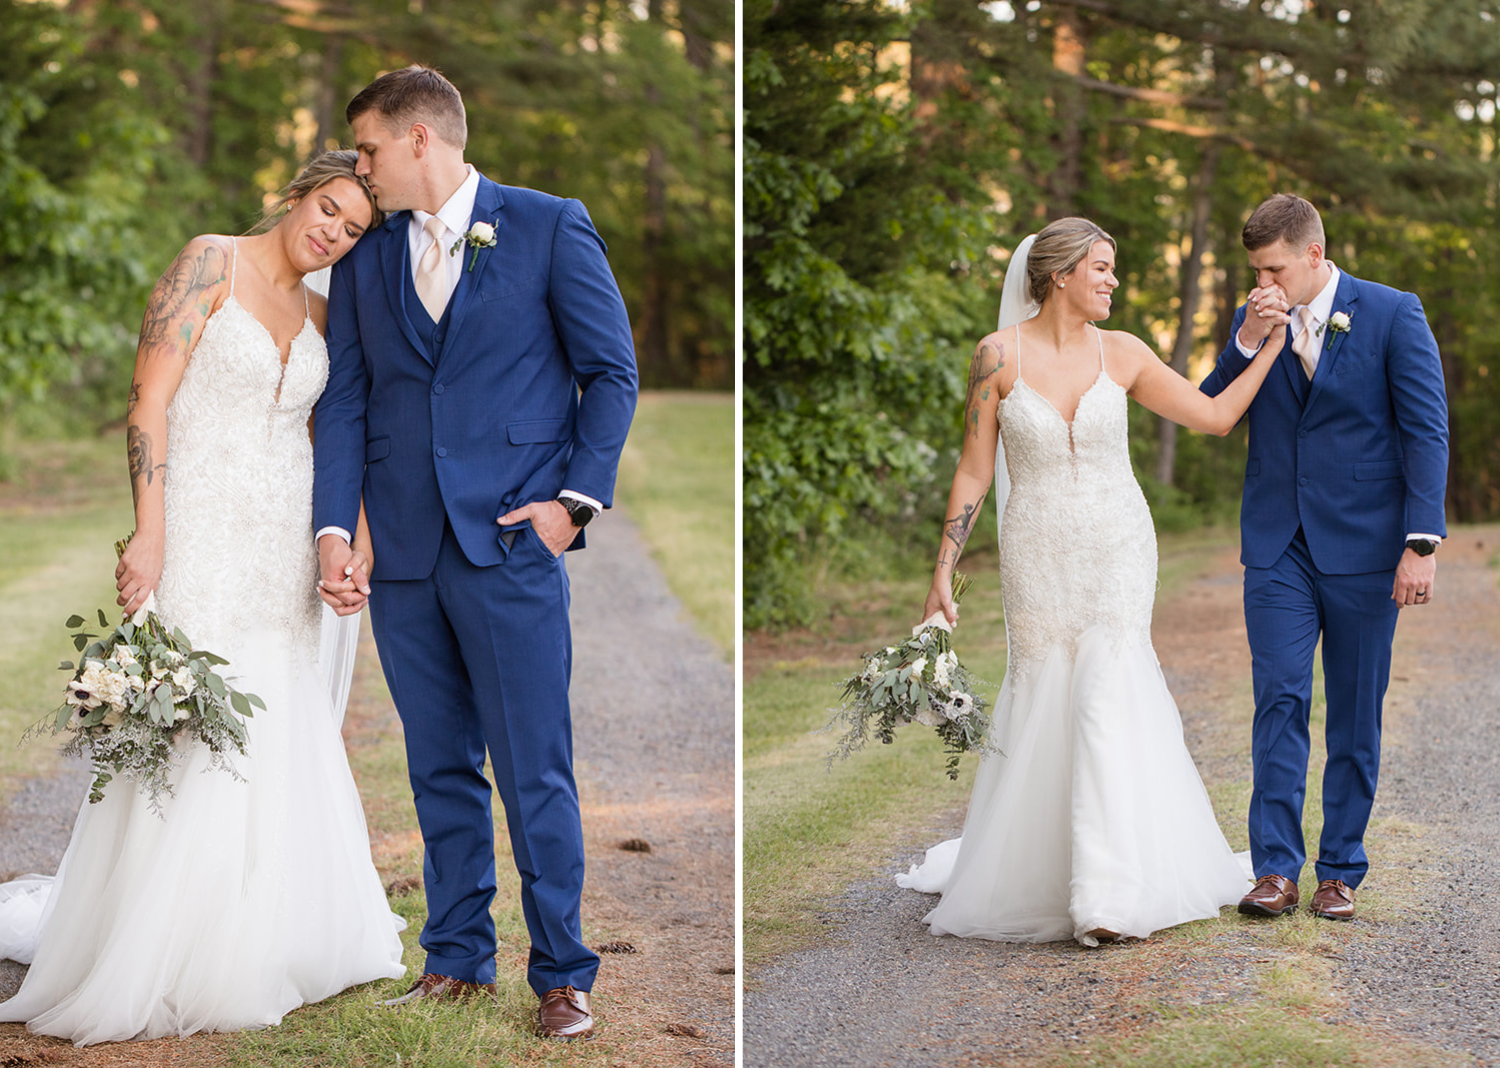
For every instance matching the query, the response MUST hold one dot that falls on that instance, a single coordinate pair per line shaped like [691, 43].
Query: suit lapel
[487, 204]
[1344, 299]
[394, 261]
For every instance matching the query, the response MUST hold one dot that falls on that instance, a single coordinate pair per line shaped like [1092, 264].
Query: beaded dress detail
[1093, 815]
[253, 895]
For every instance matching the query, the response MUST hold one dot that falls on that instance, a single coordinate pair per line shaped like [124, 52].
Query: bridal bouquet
[138, 692]
[920, 679]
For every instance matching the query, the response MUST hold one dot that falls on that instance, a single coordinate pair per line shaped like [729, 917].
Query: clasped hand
[344, 584]
[1267, 307]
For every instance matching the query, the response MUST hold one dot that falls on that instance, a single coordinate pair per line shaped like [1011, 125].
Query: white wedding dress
[251, 897]
[1093, 815]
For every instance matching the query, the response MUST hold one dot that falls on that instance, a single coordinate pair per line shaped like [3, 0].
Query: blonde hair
[319, 172]
[1061, 246]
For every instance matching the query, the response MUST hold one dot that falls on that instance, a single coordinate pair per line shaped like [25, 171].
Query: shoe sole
[1248, 909]
[1330, 916]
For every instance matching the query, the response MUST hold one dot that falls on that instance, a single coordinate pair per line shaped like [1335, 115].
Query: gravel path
[885, 993]
[653, 712]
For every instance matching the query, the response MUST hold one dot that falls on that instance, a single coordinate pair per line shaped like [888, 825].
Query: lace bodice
[1077, 546]
[239, 539]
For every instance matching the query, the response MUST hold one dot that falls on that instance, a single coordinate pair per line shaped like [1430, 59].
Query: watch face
[1423, 547]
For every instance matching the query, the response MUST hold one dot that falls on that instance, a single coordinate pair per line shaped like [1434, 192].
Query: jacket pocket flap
[377, 449]
[533, 431]
[1252, 467]
[1378, 469]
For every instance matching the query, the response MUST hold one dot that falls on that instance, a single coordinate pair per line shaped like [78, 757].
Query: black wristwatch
[578, 511]
[1422, 546]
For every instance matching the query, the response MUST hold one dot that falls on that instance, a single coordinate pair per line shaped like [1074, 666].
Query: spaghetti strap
[306, 308]
[1099, 334]
[1018, 352]
[234, 255]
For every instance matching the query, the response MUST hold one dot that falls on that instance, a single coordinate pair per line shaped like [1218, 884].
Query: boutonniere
[482, 235]
[1338, 323]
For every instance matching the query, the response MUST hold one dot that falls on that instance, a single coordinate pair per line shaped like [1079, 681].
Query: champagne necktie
[1305, 344]
[432, 273]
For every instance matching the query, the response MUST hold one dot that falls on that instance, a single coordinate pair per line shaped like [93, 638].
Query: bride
[251, 897]
[1092, 822]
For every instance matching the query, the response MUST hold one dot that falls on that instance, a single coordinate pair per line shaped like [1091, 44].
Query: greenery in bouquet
[138, 696]
[920, 679]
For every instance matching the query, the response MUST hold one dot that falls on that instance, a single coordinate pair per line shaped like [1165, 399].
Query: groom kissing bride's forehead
[481, 383]
[1342, 516]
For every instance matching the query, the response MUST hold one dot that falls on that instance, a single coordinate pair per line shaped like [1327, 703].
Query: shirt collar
[459, 208]
[1322, 305]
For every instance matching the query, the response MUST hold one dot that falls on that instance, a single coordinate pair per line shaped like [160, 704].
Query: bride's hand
[940, 598]
[139, 570]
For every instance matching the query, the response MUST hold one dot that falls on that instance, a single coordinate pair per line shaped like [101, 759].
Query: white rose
[871, 672]
[182, 714]
[1339, 321]
[940, 671]
[123, 656]
[183, 681]
[918, 666]
[482, 232]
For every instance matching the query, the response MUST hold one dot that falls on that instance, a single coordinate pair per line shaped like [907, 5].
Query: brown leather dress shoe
[1272, 895]
[1333, 900]
[440, 987]
[564, 1013]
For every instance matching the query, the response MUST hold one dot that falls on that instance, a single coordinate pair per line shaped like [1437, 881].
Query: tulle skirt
[1093, 817]
[249, 899]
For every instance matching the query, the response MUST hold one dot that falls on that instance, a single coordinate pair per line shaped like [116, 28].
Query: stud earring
[1062, 285]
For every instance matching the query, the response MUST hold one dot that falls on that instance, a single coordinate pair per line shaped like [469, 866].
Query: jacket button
[438, 389]
[444, 452]
[507, 499]
[1302, 433]
[1300, 481]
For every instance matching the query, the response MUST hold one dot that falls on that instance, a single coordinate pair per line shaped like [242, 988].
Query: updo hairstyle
[1061, 246]
[319, 171]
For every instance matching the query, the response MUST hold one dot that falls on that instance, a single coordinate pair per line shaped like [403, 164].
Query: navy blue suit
[526, 386]
[1340, 470]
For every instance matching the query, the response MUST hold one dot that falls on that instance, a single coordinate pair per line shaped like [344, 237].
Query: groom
[481, 383]
[1342, 516]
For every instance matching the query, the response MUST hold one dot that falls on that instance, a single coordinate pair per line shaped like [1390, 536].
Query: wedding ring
[1421, 593]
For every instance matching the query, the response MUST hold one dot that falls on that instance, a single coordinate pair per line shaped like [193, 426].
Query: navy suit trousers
[1288, 607]
[478, 659]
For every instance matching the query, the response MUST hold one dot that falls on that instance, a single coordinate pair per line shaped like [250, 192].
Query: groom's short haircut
[411, 95]
[1284, 216]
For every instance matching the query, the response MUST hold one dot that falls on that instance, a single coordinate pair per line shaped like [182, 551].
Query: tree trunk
[199, 81]
[1189, 293]
[330, 112]
[1069, 48]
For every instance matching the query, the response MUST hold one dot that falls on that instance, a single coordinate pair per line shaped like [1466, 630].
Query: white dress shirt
[455, 215]
[1321, 307]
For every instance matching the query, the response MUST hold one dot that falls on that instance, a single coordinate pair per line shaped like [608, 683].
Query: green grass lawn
[57, 525]
[677, 480]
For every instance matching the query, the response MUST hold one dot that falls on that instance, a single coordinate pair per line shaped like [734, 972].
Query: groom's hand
[1415, 576]
[549, 519]
[344, 584]
[1266, 308]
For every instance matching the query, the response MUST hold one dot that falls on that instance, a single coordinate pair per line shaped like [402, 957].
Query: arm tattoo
[135, 398]
[988, 358]
[138, 451]
[958, 529]
[176, 294]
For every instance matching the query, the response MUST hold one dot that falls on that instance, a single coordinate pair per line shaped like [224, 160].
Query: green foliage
[75, 164]
[855, 328]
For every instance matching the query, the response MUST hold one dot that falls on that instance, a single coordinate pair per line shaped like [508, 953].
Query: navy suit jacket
[530, 391]
[1358, 457]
